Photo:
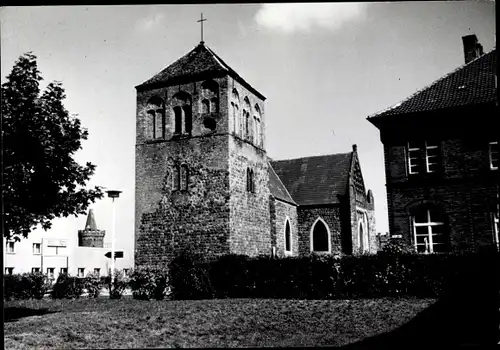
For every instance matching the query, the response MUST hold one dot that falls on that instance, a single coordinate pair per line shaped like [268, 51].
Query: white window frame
[491, 155]
[126, 272]
[50, 274]
[61, 270]
[312, 241]
[35, 268]
[39, 250]
[82, 270]
[97, 270]
[287, 252]
[10, 247]
[429, 224]
[9, 270]
[426, 148]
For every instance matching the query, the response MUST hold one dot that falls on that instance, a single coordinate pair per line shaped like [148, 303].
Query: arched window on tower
[250, 181]
[181, 103]
[156, 118]
[176, 178]
[184, 177]
[320, 237]
[246, 119]
[258, 127]
[235, 111]
[205, 106]
[210, 93]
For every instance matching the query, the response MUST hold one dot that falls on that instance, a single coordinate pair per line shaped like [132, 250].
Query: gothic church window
[288, 237]
[258, 131]
[320, 237]
[181, 103]
[246, 119]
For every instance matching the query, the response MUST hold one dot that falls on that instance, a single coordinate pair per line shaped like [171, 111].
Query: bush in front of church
[149, 283]
[189, 276]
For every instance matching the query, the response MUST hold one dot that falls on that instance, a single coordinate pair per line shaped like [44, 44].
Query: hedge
[386, 274]
[25, 286]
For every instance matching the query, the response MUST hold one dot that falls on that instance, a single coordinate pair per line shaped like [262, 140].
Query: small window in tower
[178, 119]
[176, 178]
[151, 125]
[205, 106]
[188, 123]
[214, 105]
[184, 177]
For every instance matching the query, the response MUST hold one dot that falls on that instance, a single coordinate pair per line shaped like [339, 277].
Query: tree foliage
[41, 179]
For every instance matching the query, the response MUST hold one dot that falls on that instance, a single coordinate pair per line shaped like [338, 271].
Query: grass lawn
[129, 323]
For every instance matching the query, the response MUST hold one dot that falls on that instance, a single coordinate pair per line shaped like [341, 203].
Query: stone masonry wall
[250, 220]
[168, 220]
[306, 218]
[286, 211]
[91, 238]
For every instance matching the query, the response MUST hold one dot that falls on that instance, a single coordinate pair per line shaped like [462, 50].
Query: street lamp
[113, 194]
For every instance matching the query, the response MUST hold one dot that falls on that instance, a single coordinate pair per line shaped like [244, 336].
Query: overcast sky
[323, 68]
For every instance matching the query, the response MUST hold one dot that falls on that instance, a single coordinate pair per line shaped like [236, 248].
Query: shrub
[190, 277]
[149, 283]
[67, 287]
[25, 286]
[397, 246]
[117, 285]
[93, 284]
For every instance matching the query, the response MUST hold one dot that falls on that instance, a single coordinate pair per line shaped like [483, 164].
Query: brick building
[441, 158]
[204, 180]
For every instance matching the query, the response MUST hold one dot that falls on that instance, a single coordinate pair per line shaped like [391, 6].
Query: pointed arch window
[188, 122]
[235, 111]
[288, 237]
[178, 119]
[258, 130]
[361, 238]
[320, 237]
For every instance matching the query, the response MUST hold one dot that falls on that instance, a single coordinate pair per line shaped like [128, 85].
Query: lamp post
[113, 194]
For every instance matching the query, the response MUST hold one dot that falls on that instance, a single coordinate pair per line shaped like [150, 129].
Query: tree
[41, 180]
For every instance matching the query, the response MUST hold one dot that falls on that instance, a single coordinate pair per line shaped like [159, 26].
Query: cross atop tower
[201, 21]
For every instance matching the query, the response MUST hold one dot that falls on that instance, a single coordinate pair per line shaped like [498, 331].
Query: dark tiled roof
[200, 60]
[470, 84]
[277, 188]
[315, 180]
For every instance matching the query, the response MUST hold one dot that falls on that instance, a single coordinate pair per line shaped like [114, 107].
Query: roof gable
[277, 189]
[198, 61]
[470, 84]
[315, 180]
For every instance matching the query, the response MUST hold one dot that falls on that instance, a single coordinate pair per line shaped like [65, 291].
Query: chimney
[472, 48]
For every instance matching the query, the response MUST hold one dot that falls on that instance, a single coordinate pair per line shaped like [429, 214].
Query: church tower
[201, 165]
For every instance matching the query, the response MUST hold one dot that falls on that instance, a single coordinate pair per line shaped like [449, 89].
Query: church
[205, 181]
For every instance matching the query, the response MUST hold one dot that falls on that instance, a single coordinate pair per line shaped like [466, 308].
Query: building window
[178, 119]
[10, 247]
[63, 271]
[205, 106]
[423, 157]
[126, 272]
[493, 151]
[320, 237]
[184, 177]
[429, 231]
[81, 272]
[156, 118]
[188, 122]
[50, 272]
[176, 178]
[35, 270]
[97, 271]
[250, 181]
[361, 238]
[288, 237]
[37, 248]
[9, 270]
[235, 111]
